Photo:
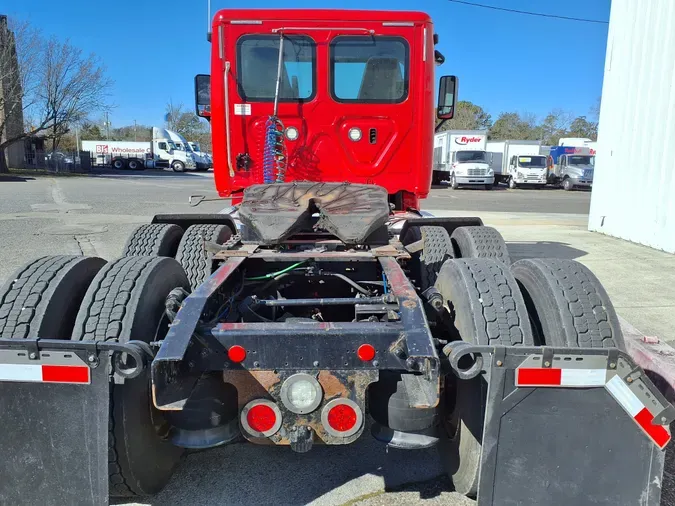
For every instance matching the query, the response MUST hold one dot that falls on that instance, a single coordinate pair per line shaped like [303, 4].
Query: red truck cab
[355, 98]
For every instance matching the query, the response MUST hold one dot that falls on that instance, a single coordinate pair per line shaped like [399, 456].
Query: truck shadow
[253, 474]
[444, 186]
[147, 173]
[9, 178]
[543, 249]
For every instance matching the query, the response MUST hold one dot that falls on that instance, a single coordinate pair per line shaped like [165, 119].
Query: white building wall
[634, 182]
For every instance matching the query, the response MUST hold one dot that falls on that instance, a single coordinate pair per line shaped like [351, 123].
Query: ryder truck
[461, 159]
[323, 304]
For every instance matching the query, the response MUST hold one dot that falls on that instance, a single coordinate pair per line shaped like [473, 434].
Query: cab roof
[321, 15]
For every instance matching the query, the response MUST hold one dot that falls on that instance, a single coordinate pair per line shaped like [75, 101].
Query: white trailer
[461, 159]
[160, 152]
[517, 162]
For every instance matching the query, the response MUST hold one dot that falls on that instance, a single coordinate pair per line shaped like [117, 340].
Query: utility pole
[107, 127]
[135, 131]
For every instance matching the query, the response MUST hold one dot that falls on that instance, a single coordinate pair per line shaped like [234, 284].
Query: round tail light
[342, 417]
[261, 418]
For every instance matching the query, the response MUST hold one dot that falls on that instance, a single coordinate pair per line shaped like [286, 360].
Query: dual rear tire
[188, 247]
[82, 298]
[534, 302]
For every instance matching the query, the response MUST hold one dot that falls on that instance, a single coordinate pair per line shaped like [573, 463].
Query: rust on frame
[332, 386]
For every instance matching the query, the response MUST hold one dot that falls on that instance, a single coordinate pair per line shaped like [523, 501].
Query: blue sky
[505, 62]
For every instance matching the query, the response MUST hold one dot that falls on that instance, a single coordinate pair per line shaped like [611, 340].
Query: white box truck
[160, 152]
[517, 163]
[461, 159]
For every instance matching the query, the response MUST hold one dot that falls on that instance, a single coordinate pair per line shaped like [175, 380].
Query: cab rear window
[369, 69]
[257, 63]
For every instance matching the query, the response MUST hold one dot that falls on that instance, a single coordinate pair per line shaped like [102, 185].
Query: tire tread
[25, 298]
[480, 242]
[437, 248]
[153, 239]
[191, 254]
[103, 316]
[586, 314]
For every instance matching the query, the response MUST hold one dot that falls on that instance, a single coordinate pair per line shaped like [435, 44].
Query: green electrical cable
[274, 274]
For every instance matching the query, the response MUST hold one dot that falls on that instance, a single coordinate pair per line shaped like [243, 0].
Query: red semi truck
[324, 305]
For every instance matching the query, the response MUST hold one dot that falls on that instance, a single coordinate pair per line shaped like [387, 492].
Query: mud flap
[54, 412]
[569, 426]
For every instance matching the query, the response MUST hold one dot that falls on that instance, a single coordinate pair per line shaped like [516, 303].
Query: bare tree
[188, 124]
[19, 60]
[59, 86]
[182, 121]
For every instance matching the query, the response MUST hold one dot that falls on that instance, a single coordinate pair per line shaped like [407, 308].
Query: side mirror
[438, 57]
[447, 95]
[203, 95]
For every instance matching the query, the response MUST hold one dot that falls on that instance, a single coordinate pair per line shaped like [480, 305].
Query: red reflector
[366, 352]
[538, 376]
[65, 374]
[236, 353]
[657, 432]
[342, 418]
[261, 418]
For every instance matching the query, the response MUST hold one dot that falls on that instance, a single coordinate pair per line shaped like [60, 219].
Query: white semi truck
[517, 163]
[160, 152]
[201, 162]
[206, 158]
[460, 158]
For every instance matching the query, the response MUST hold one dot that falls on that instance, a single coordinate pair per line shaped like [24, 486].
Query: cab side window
[369, 70]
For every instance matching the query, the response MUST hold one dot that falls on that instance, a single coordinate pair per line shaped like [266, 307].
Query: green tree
[581, 127]
[512, 125]
[90, 132]
[468, 116]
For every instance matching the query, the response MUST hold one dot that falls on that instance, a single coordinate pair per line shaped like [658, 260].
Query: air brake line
[274, 274]
[274, 154]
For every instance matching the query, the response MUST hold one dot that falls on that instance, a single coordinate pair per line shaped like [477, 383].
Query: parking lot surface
[94, 216]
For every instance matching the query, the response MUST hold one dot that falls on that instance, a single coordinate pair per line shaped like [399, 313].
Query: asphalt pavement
[95, 215]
